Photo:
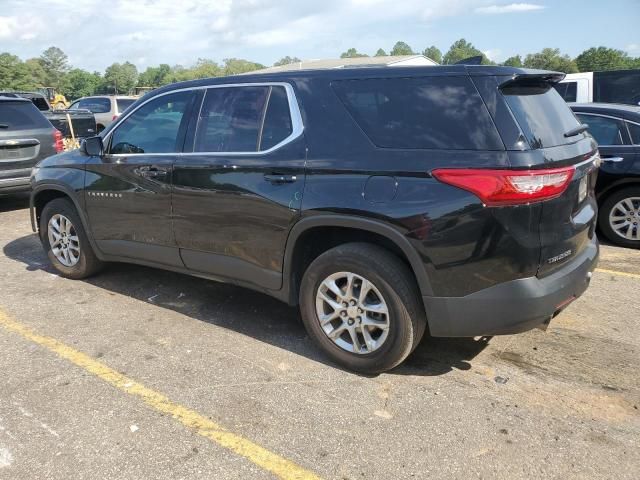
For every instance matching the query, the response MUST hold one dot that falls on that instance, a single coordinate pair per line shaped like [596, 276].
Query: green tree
[235, 66]
[36, 71]
[155, 76]
[55, 64]
[81, 83]
[461, 50]
[205, 68]
[433, 53]
[14, 74]
[401, 48]
[352, 53]
[286, 61]
[550, 59]
[515, 61]
[120, 78]
[380, 53]
[602, 58]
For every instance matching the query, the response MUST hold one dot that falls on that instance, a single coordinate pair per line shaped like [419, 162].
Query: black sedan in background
[616, 128]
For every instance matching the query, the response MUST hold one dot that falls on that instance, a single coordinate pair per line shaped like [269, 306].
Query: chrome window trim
[297, 126]
[624, 122]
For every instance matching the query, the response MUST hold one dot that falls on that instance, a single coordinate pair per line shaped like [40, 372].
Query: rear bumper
[514, 306]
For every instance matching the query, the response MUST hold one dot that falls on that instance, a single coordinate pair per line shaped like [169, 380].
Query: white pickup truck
[615, 86]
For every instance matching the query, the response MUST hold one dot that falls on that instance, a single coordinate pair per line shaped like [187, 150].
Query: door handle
[280, 178]
[613, 159]
[153, 172]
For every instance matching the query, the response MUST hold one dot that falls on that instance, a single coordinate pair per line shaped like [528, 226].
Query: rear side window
[606, 131]
[634, 130]
[243, 119]
[567, 90]
[21, 116]
[95, 105]
[420, 113]
[123, 103]
[542, 114]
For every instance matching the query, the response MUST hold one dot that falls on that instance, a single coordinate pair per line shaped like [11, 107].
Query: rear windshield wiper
[4, 125]
[575, 131]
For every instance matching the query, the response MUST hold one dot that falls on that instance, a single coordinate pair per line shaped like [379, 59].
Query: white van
[616, 86]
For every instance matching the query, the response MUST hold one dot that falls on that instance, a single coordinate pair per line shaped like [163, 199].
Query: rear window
[420, 113]
[95, 105]
[21, 116]
[567, 90]
[542, 114]
[123, 103]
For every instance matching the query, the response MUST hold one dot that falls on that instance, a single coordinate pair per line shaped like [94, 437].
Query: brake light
[509, 187]
[115, 117]
[58, 143]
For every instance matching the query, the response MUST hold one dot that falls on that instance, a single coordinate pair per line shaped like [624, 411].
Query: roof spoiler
[477, 60]
[523, 79]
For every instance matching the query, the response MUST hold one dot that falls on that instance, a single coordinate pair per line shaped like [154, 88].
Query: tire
[81, 261]
[610, 206]
[389, 282]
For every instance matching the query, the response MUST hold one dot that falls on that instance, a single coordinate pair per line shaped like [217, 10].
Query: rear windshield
[123, 103]
[420, 113]
[21, 116]
[542, 114]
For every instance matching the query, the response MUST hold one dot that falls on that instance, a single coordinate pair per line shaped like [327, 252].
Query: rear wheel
[65, 241]
[619, 217]
[361, 306]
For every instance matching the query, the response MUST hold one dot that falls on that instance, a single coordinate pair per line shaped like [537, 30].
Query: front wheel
[619, 217]
[361, 305]
[65, 241]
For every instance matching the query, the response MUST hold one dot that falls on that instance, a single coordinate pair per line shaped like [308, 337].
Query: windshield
[542, 114]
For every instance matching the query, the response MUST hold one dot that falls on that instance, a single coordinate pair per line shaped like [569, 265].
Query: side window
[277, 119]
[606, 131]
[420, 113]
[634, 130]
[154, 127]
[230, 119]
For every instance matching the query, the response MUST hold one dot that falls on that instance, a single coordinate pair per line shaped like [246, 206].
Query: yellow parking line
[272, 462]
[616, 272]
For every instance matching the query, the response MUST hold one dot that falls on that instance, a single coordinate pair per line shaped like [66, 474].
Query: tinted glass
[96, 105]
[617, 87]
[425, 113]
[634, 130]
[606, 131]
[20, 116]
[154, 127]
[40, 103]
[542, 114]
[123, 103]
[277, 119]
[230, 119]
[567, 90]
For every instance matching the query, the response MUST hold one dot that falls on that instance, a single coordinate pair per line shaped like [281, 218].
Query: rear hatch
[552, 137]
[25, 137]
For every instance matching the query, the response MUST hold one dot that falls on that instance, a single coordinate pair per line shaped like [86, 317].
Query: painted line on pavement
[616, 272]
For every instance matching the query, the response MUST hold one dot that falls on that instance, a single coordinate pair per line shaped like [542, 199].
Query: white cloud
[8, 26]
[509, 8]
[494, 54]
[632, 48]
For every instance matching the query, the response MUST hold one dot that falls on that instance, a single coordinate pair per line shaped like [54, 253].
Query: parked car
[106, 108]
[82, 121]
[26, 137]
[615, 86]
[382, 201]
[616, 128]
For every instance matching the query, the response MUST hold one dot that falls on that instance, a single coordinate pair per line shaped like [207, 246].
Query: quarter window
[606, 131]
[154, 127]
[634, 130]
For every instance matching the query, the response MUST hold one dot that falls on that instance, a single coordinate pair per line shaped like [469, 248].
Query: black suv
[383, 201]
[26, 137]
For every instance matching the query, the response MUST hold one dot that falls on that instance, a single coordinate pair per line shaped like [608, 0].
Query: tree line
[52, 68]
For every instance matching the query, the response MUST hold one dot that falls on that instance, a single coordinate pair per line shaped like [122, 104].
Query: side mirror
[93, 146]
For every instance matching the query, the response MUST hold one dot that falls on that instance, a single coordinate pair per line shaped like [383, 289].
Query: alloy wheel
[64, 241]
[624, 218]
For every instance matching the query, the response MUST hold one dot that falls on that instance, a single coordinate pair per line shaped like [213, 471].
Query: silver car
[106, 108]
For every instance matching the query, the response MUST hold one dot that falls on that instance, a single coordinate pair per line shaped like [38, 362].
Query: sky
[97, 33]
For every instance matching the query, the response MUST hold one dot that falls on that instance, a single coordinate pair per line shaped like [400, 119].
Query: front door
[237, 195]
[128, 189]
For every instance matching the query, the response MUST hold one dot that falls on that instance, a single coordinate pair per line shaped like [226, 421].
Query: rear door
[548, 126]
[236, 196]
[26, 137]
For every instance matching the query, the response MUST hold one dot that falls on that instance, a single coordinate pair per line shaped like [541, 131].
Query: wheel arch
[615, 186]
[351, 229]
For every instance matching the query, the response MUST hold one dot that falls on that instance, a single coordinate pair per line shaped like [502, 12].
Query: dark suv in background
[26, 137]
[383, 201]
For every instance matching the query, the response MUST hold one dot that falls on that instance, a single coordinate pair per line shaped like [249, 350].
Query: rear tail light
[509, 187]
[58, 144]
[115, 117]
